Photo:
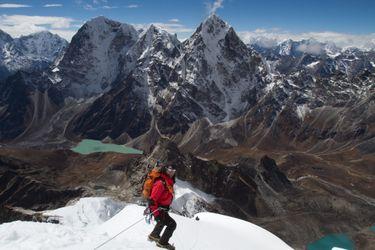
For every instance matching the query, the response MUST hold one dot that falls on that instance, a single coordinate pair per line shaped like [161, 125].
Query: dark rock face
[14, 105]
[174, 120]
[23, 192]
[27, 101]
[118, 111]
[271, 175]
[19, 188]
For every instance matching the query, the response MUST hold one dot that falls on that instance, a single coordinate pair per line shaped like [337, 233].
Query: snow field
[92, 221]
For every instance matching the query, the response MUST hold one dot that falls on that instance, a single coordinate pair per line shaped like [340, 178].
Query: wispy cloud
[271, 37]
[174, 20]
[100, 1]
[89, 7]
[93, 5]
[213, 7]
[13, 5]
[109, 7]
[18, 25]
[49, 5]
[132, 6]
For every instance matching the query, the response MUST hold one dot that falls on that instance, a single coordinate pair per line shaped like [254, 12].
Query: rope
[132, 225]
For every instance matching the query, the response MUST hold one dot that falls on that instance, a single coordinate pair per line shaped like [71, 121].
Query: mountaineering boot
[166, 246]
[153, 238]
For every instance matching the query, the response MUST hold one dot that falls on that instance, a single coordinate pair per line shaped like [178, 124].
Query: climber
[159, 201]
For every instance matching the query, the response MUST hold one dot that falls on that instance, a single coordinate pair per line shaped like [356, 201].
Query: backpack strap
[166, 186]
[162, 181]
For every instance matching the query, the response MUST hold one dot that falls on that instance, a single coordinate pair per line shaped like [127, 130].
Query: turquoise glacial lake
[88, 146]
[330, 241]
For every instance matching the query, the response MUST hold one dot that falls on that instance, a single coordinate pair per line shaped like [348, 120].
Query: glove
[147, 211]
[148, 215]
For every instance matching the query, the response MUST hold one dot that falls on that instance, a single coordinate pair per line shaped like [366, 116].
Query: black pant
[164, 220]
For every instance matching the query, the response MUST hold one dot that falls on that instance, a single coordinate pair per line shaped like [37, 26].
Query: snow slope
[91, 221]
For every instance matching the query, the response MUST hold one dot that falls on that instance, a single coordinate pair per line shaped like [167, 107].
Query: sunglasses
[171, 169]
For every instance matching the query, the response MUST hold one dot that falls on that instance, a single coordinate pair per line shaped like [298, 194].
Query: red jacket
[161, 193]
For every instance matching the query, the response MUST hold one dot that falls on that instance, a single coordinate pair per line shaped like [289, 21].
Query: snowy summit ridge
[92, 221]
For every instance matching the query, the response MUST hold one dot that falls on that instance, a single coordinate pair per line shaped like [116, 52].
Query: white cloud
[271, 37]
[109, 7]
[314, 48]
[132, 6]
[88, 7]
[52, 5]
[99, 1]
[213, 7]
[18, 25]
[174, 20]
[13, 5]
[95, 4]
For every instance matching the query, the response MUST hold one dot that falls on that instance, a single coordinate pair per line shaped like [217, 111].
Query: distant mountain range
[142, 80]
[320, 59]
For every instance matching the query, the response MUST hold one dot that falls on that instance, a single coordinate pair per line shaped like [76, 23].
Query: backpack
[149, 182]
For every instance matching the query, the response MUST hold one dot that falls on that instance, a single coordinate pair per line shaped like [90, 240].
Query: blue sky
[329, 19]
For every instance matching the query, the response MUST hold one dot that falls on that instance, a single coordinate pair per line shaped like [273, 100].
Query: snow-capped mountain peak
[219, 70]
[101, 21]
[32, 52]
[155, 34]
[93, 58]
[152, 44]
[213, 29]
[43, 45]
[285, 47]
[214, 25]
